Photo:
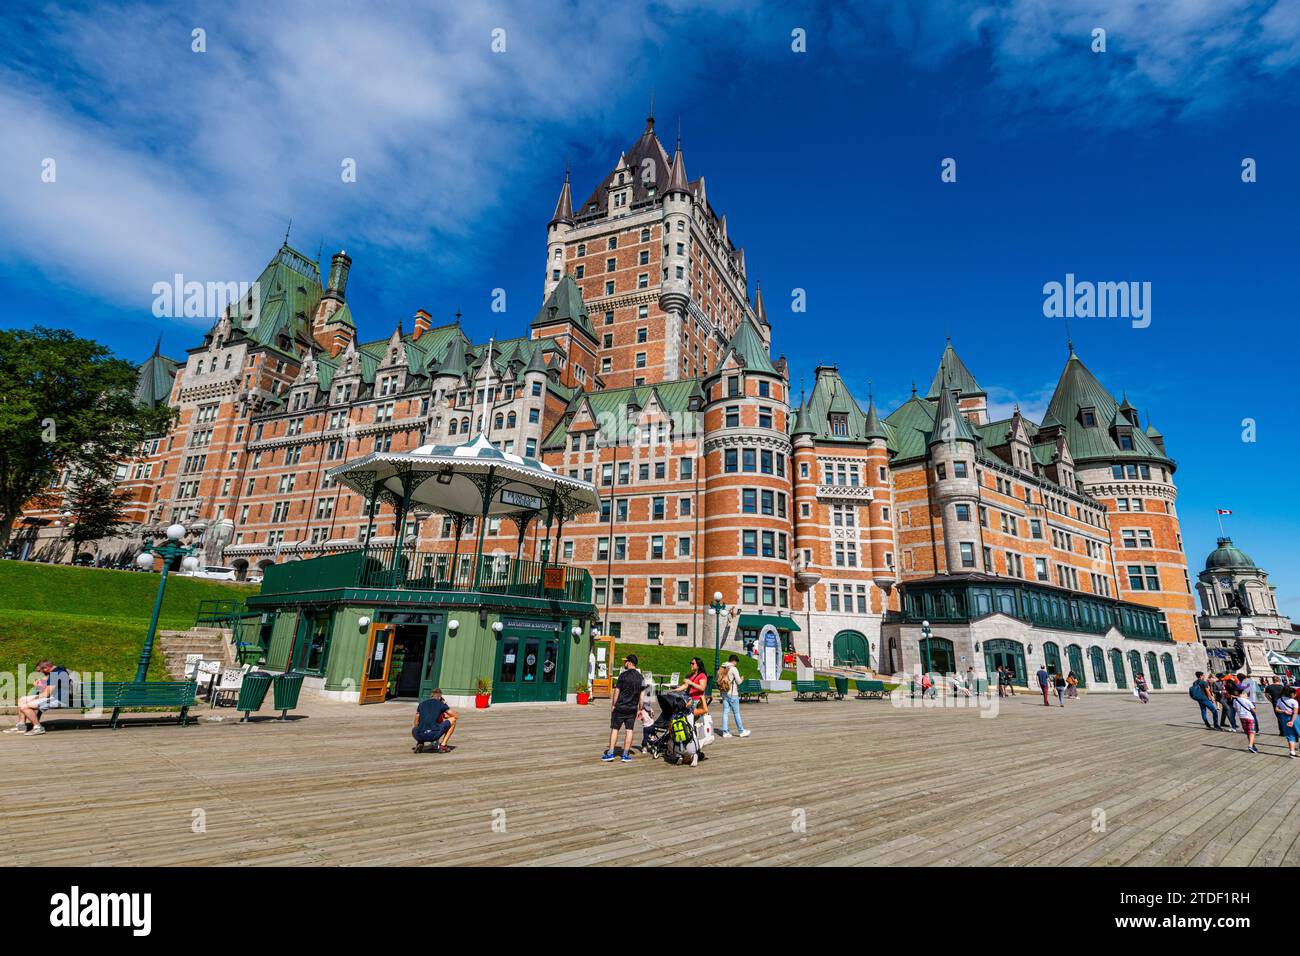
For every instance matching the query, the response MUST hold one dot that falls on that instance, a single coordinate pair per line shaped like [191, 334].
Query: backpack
[1191, 692]
[724, 678]
[682, 729]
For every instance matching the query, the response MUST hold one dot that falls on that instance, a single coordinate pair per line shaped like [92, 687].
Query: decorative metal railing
[384, 567]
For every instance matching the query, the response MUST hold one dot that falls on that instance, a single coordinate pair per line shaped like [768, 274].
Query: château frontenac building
[926, 535]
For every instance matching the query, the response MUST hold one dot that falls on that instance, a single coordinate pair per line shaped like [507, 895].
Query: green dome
[1226, 556]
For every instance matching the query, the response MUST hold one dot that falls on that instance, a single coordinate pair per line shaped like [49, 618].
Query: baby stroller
[673, 736]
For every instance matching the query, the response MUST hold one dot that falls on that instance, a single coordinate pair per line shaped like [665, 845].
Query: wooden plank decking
[875, 784]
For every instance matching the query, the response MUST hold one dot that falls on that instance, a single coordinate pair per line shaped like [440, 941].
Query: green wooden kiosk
[388, 621]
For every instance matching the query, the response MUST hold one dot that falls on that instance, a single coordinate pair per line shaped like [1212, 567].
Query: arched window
[499, 421]
[1052, 657]
[464, 426]
[1153, 671]
[1117, 665]
[512, 420]
[451, 429]
[582, 248]
[1170, 674]
[1098, 664]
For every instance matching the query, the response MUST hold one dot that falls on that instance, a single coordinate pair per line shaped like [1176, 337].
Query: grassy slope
[662, 661]
[89, 619]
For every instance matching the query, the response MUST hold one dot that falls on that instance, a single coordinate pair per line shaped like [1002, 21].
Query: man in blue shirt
[1044, 681]
[56, 692]
[434, 724]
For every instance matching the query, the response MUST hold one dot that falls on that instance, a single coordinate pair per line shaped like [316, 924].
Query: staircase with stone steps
[212, 642]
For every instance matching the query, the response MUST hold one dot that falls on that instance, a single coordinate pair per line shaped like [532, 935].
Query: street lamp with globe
[169, 551]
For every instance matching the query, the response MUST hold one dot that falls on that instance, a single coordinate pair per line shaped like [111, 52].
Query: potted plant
[483, 693]
[580, 689]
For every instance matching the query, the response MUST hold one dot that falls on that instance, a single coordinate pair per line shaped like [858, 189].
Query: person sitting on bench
[435, 722]
[55, 690]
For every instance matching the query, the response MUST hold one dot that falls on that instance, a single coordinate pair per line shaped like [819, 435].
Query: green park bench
[752, 690]
[812, 690]
[119, 694]
[871, 688]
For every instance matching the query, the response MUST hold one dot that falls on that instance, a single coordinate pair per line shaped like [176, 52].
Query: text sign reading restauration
[526, 624]
[531, 502]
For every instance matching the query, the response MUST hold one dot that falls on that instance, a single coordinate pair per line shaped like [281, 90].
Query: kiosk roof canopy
[453, 479]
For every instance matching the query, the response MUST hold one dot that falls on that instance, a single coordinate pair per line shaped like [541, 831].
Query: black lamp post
[719, 612]
[169, 550]
[925, 639]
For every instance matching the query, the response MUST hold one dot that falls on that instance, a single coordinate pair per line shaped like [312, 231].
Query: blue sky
[1122, 165]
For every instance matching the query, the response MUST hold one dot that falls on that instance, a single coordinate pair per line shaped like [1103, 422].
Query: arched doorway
[262, 566]
[1117, 665]
[241, 570]
[1098, 657]
[1010, 655]
[1153, 670]
[851, 649]
[936, 654]
[1052, 657]
[1171, 676]
[1075, 654]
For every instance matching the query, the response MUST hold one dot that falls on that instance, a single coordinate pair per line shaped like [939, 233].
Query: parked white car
[214, 572]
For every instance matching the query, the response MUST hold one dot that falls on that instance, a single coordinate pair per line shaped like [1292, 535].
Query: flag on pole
[1223, 511]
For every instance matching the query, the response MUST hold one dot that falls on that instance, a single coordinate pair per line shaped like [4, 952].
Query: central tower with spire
[662, 281]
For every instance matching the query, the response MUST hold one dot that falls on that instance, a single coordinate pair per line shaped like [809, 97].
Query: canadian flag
[1223, 511]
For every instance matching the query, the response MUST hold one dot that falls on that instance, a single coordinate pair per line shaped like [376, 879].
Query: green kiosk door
[528, 663]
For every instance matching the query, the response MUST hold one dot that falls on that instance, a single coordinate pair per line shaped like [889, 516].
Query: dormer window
[839, 424]
[1126, 442]
[1088, 417]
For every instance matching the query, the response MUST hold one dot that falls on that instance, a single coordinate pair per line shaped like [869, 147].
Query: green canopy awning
[759, 621]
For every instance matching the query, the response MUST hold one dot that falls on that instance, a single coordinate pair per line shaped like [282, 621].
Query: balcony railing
[383, 567]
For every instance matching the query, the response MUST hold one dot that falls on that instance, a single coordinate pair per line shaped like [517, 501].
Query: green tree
[97, 508]
[65, 402]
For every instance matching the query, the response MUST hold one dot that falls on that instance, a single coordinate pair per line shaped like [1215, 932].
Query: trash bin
[841, 687]
[252, 692]
[287, 688]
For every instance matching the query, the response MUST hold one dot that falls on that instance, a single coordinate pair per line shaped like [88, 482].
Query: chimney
[422, 322]
[338, 282]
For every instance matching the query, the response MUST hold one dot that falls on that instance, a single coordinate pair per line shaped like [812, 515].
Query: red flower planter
[583, 697]
[481, 701]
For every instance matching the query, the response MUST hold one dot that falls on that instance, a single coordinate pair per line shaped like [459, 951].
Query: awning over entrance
[759, 621]
[1284, 659]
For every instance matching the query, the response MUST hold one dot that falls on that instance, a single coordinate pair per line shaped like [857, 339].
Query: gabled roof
[565, 304]
[1077, 389]
[155, 378]
[954, 371]
[610, 408]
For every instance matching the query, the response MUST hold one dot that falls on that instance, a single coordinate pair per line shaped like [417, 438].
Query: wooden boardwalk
[872, 785]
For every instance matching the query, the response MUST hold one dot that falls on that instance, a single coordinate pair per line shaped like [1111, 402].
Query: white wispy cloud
[174, 161]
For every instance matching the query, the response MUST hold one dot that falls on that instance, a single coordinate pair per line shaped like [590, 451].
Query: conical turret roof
[954, 371]
[564, 207]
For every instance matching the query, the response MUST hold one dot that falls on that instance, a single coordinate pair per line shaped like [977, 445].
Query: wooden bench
[752, 690]
[119, 694]
[871, 688]
[812, 690]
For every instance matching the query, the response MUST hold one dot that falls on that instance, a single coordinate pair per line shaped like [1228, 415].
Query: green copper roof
[954, 371]
[156, 376]
[949, 423]
[802, 422]
[747, 343]
[909, 427]
[1079, 389]
[566, 301]
[830, 395]
[289, 290]
[873, 427]
[1227, 557]
[610, 408]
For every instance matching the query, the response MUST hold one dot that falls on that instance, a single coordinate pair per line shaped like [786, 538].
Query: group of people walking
[632, 700]
[1051, 680]
[1230, 700]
